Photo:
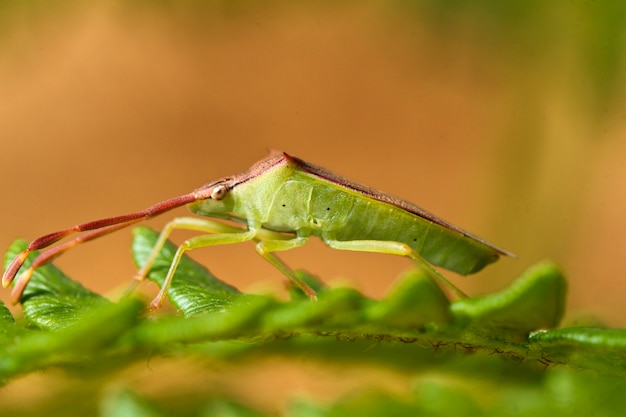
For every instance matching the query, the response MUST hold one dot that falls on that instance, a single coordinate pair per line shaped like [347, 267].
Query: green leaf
[239, 319]
[335, 308]
[226, 408]
[51, 300]
[414, 332]
[591, 348]
[374, 402]
[8, 329]
[416, 300]
[82, 340]
[444, 398]
[536, 300]
[125, 403]
[193, 289]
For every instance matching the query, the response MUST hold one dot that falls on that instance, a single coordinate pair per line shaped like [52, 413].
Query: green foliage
[414, 331]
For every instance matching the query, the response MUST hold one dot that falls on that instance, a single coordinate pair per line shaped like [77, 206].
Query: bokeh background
[505, 118]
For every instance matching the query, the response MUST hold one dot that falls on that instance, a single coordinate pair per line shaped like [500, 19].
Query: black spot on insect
[327, 208]
[414, 239]
[284, 205]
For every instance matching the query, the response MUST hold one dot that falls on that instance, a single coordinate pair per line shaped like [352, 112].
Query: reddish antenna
[95, 228]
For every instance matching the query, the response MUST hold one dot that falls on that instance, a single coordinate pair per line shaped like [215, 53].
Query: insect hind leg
[394, 248]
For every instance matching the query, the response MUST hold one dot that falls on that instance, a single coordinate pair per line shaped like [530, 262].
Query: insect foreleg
[199, 225]
[185, 223]
[265, 249]
[195, 243]
[393, 248]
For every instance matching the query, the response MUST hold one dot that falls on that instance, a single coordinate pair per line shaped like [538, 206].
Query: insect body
[282, 201]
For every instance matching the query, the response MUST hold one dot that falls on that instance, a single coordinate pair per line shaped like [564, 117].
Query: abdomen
[368, 219]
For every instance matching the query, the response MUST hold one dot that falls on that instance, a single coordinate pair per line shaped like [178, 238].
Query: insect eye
[218, 192]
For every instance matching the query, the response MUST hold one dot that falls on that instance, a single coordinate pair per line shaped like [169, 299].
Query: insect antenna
[95, 228]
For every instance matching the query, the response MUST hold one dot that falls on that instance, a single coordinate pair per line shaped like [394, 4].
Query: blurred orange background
[508, 123]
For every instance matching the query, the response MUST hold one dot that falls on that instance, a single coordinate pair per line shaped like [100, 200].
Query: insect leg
[199, 225]
[184, 223]
[394, 248]
[265, 249]
[195, 243]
